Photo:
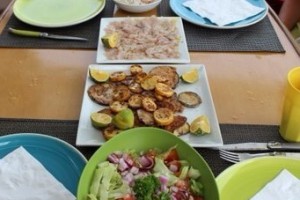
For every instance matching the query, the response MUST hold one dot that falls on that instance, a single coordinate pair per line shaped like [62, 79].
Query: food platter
[182, 46]
[56, 13]
[192, 17]
[246, 178]
[61, 159]
[87, 135]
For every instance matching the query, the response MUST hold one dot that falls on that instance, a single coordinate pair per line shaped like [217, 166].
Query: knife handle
[283, 146]
[25, 33]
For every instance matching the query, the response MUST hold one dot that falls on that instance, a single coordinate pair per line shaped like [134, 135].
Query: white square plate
[87, 135]
[183, 50]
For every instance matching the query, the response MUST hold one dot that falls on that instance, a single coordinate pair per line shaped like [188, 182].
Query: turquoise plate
[190, 16]
[61, 159]
[243, 180]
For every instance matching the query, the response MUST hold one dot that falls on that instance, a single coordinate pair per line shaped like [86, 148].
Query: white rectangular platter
[87, 135]
[183, 50]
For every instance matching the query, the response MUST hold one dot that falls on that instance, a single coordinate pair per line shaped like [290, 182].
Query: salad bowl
[142, 139]
[135, 6]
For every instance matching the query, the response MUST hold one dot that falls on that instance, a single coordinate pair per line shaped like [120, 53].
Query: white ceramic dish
[57, 13]
[135, 8]
[87, 135]
[184, 54]
[192, 17]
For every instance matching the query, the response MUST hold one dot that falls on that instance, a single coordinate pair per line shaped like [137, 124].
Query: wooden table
[247, 88]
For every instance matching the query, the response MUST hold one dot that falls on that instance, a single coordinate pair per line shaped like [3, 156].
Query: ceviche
[149, 175]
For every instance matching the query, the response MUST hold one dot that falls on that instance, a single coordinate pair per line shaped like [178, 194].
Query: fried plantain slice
[145, 117]
[117, 76]
[102, 93]
[121, 93]
[189, 99]
[149, 104]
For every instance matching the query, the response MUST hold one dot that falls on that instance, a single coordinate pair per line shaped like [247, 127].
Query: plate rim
[214, 116]
[100, 51]
[232, 170]
[40, 135]
[212, 26]
[14, 140]
[59, 25]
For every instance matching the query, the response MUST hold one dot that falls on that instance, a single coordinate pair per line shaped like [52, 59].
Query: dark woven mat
[258, 37]
[66, 130]
[88, 29]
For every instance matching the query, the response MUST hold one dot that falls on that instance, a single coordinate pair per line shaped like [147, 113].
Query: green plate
[56, 13]
[245, 179]
[142, 139]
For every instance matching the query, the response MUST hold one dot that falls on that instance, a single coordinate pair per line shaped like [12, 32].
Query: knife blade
[286, 154]
[27, 33]
[261, 146]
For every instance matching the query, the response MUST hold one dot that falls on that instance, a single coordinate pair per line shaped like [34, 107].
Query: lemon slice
[98, 76]
[163, 116]
[100, 120]
[190, 76]
[200, 125]
[110, 40]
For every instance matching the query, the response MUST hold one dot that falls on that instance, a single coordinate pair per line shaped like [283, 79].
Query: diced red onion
[122, 165]
[146, 162]
[128, 159]
[174, 189]
[113, 158]
[134, 170]
[173, 168]
[129, 178]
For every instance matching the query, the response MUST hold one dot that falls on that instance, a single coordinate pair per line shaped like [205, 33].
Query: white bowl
[134, 8]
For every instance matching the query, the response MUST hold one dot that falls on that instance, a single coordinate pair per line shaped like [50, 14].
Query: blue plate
[190, 16]
[61, 159]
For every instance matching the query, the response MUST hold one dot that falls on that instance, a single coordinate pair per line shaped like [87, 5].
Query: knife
[44, 35]
[257, 146]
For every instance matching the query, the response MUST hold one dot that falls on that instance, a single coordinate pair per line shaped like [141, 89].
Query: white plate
[192, 17]
[57, 13]
[87, 135]
[183, 50]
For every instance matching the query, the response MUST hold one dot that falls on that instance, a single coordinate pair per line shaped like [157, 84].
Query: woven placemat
[88, 29]
[67, 130]
[258, 37]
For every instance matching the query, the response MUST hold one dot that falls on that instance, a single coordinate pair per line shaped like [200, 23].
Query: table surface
[247, 87]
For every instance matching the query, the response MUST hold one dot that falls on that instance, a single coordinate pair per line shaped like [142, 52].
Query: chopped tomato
[180, 196]
[174, 166]
[198, 198]
[182, 184]
[171, 155]
[127, 197]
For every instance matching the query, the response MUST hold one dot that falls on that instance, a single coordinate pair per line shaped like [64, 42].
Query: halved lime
[100, 120]
[98, 75]
[200, 125]
[190, 76]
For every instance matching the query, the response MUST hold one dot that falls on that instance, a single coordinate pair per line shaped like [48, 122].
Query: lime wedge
[200, 125]
[110, 40]
[98, 76]
[190, 76]
[100, 120]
